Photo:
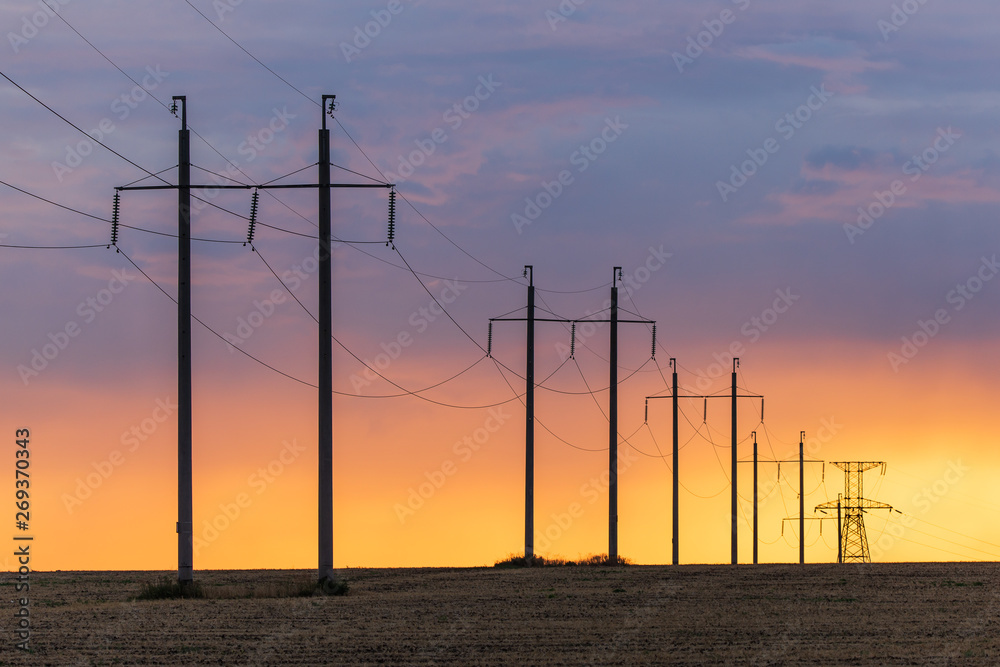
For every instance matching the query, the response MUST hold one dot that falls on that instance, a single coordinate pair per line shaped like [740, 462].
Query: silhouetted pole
[674, 397]
[613, 426]
[529, 403]
[529, 423]
[325, 444]
[736, 364]
[755, 497]
[840, 534]
[185, 514]
[676, 554]
[802, 502]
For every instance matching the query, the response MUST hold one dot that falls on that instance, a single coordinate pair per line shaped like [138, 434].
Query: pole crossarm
[858, 465]
[256, 187]
[785, 461]
[730, 397]
[574, 322]
[705, 396]
[525, 319]
[569, 321]
[861, 504]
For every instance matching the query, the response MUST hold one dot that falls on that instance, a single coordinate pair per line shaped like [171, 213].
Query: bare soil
[879, 614]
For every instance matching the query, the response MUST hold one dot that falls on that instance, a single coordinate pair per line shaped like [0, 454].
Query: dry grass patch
[300, 586]
[514, 561]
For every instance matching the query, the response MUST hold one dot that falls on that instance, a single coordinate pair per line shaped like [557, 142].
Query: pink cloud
[839, 69]
[847, 189]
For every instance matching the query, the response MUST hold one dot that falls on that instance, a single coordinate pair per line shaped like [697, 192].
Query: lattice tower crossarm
[852, 507]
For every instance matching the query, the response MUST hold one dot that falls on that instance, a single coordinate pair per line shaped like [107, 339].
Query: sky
[808, 186]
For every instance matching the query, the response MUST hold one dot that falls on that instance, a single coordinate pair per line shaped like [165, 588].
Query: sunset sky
[813, 184]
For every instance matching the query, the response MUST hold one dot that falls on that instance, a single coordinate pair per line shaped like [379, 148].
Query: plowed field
[881, 614]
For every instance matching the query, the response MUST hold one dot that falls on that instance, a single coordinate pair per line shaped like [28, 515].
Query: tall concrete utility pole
[185, 518]
[325, 443]
[735, 511]
[613, 425]
[676, 494]
[529, 422]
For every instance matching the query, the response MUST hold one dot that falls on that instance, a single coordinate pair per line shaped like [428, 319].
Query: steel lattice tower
[853, 541]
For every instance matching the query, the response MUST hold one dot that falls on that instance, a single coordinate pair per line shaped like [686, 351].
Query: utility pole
[802, 501]
[529, 423]
[802, 494]
[735, 512]
[840, 533]
[325, 380]
[676, 508]
[325, 383]
[529, 406]
[613, 425]
[755, 534]
[675, 395]
[185, 514]
[325, 442]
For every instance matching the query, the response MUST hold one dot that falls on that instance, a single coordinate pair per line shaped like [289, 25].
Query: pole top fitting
[617, 274]
[736, 363]
[673, 363]
[529, 273]
[328, 107]
[183, 104]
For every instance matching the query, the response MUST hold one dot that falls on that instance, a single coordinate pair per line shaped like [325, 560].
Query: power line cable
[100, 219]
[349, 136]
[292, 377]
[53, 247]
[416, 393]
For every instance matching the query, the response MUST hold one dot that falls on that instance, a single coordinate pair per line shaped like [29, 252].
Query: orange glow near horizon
[425, 488]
